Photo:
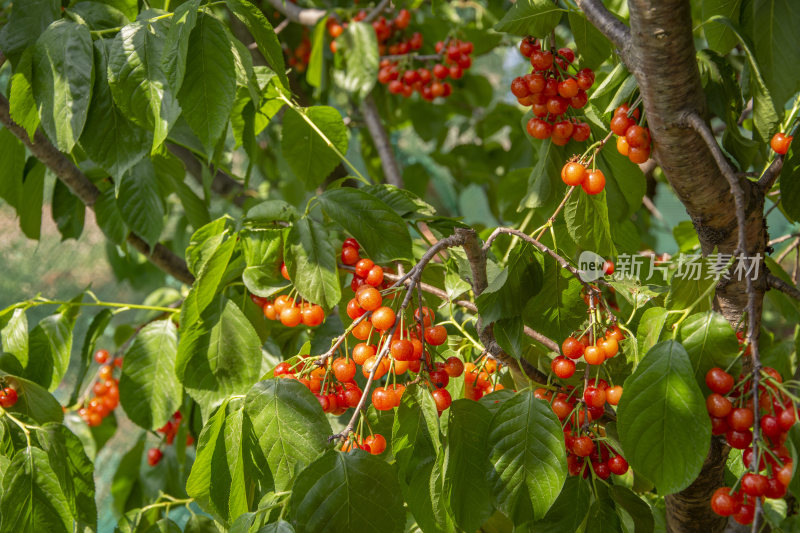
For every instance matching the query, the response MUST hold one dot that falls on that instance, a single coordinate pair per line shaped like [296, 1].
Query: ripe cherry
[402, 350]
[572, 348]
[519, 88]
[579, 100]
[383, 318]
[775, 489]
[568, 88]
[739, 439]
[610, 347]
[754, 484]
[770, 426]
[573, 174]
[349, 255]
[585, 79]
[528, 47]
[618, 465]
[787, 418]
[426, 314]
[722, 502]
[594, 355]
[637, 137]
[741, 419]
[439, 378]
[154, 456]
[291, 316]
[376, 443]
[312, 315]
[718, 405]
[639, 155]
[363, 267]
[101, 356]
[563, 367]
[369, 298]
[583, 446]
[784, 475]
[362, 351]
[8, 397]
[354, 310]
[541, 59]
[744, 514]
[719, 381]
[440, 71]
[344, 369]
[539, 129]
[105, 372]
[613, 394]
[595, 182]
[383, 399]
[780, 142]
[375, 276]
[620, 124]
[582, 132]
[284, 271]
[594, 397]
[454, 366]
[442, 399]
[436, 335]
[622, 146]
[362, 330]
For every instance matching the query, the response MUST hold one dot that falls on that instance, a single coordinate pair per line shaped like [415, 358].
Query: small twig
[416, 57]
[777, 283]
[280, 27]
[794, 244]
[295, 13]
[376, 128]
[782, 238]
[770, 176]
[372, 15]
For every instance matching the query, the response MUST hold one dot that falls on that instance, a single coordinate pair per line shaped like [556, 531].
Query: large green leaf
[176, 46]
[109, 138]
[109, 218]
[219, 355]
[68, 211]
[30, 211]
[22, 106]
[12, 152]
[662, 420]
[466, 493]
[209, 87]
[360, 47]
[50, 343]
[14, 335]
[308, 154]
[346, 492]
[74, 470]
[776, 43]
[593, 46]
[509, 292]
[636, 507]
[527, 455]
[33, 400]
[63, 74]
[378, 229]
[264, 35]
[530, 17]
[149, 390]
[415, 432]
[710, 341]
[291, 427]
[587, 223]
[720, 39]
[558, 308]
[32, 498]
[93, 334]
[138, 84]
[229, 472]
[311, 261]
[540, 183]
[208, 280]
[139, 201]
[789, 185]
[27, 22]
[569, 510]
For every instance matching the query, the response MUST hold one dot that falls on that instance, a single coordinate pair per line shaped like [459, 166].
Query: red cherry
[154, 456]
[719, 381]
[780, 142]
[722, 502]
[8, 397]
[442, 399]
[563, 367]
[618, 465]
[754, 484]
[101, 356]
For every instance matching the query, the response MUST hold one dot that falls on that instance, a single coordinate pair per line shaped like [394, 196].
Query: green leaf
[12, 151]
[415, 432]
[62, 81]
[558, 309]
[32, 498]
[291, 427]
[50, 343]
[637, 508]
[229, 472]
[264, 35]
[317, 58]
[569, 510]
[710, 341]
[139, 201]
[587, 223]
[176, 46]
[526, 450]
[68, 211]
[207, 282]
[776, 44]
[97, 16]
[311, 261]
[30, 211]
[662, 420]
[530, 17]
[74, 471]
[651, 325]
[126, 485]
[548, 163]
[27, 22]
[720, 39]
[346, 492]
[789, 185]
[219, 355]
[360, 46]
[466, 493]
[509, 292]
[209, 88]
[602, 515]
[308, 154]
[138, 85]
[109, 138]
[689, 283]
[22, 106]
[377, 228]
[34, 401]
[593, 46]
[109, 218]
[93, 334]
[14, 335]
[200, 524]
[765, 113]
[149, 390]
[127, 7]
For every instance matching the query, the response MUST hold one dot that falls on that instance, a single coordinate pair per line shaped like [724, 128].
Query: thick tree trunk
[661, 54]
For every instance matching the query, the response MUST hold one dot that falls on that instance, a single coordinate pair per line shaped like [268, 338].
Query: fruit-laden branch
[777, 283]
[83, 188]
[614, 29]
[372, 118]
[295, 13]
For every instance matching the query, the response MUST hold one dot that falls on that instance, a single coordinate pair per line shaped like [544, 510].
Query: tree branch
[614, 29]
[777, 283]
[66, 171]
[295, 13]
[770, 176]
[372, 118]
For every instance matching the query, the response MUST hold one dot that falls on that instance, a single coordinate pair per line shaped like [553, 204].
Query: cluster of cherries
[288, 310]
[582, 447]
[105, 389]
[780, 143]
[300, 56]
[428, 81]
[390, 32]
[576, 174]
[595, 353]
[170, 429]
[478, 378]
[8, 397]
[633, 140]
[730, 406]
[550, 90]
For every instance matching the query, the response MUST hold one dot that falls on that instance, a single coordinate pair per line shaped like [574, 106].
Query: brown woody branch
[770, 176]
[777, 283]
[83, 188]
[372, 118]
[295, 13]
